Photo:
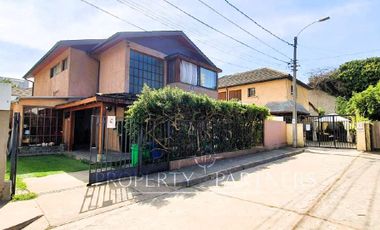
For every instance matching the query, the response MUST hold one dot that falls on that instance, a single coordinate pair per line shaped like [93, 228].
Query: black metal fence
[330, 131]
[131, 150]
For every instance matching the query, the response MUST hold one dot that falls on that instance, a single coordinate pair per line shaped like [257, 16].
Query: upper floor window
[54, 70]
[251, 92]
[145, 69]
[208, 78]
[196, 75]
[61, 66]
[188, 73]
[64, 64]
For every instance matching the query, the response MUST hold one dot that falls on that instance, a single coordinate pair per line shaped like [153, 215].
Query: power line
[262, 27]
[113, 15]
[237, 25]
[167, 22]
[122, 19]
[220, 32]
[229, 63]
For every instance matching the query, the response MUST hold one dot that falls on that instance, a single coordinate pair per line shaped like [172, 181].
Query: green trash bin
[135, 155]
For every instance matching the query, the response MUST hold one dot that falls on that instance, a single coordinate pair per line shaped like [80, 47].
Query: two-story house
[265, 87]
[79, 78]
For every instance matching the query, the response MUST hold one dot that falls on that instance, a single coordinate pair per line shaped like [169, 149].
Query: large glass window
[188, 73]
[208, 78]
[42, 126]
[145, 69]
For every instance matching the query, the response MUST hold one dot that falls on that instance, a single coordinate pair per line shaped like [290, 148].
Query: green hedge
[187, 124]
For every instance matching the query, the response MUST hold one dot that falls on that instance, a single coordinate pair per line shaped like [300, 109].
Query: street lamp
[294, 84]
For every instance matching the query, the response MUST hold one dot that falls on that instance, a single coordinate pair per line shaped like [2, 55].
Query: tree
[323, 79]
[351, 77]
[356, 76]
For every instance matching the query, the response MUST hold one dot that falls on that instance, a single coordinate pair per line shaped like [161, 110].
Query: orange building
[76, 79]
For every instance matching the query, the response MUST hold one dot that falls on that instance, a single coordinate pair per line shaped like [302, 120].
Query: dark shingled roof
[285, 107]
[167, 42]
[254, 76]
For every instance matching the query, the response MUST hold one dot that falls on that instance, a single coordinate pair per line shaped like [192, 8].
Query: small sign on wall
[308, 128]
[360, 126]
[111, 122]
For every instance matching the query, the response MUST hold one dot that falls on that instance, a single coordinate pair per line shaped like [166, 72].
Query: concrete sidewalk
[201, 172]
[64, 198]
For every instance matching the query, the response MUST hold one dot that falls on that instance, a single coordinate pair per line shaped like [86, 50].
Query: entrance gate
[121, 151]
[330, 131]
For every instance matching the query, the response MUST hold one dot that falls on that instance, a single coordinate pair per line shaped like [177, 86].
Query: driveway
[321, 188]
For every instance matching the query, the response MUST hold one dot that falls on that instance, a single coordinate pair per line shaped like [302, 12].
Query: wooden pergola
[100, 101]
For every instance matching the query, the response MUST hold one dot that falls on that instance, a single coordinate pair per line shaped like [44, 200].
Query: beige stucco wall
[289, 135]
[4, 124]
[57, 85]
[83, 73]
[270, 91]
[112, 76]
[321, 99]
[302, 94]
[363, 138]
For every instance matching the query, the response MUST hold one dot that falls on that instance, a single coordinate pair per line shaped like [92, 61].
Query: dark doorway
[82, 129]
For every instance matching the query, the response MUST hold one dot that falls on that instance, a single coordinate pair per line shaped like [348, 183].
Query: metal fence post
[140, 152]
[14, 150]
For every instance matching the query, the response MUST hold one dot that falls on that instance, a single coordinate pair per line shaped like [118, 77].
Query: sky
[29, 28]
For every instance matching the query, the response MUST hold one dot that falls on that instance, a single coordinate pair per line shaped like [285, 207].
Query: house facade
[79, 78]
[265, 87]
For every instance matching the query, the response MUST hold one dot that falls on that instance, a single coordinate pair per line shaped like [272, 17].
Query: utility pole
[294, 84]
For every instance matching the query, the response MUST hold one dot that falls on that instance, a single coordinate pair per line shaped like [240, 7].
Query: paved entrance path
[321, 188]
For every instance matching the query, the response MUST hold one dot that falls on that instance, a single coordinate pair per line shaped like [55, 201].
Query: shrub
[367, 103]
[185, 123]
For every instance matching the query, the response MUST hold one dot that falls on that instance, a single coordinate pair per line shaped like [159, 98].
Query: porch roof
[285, 107]
[114, 98]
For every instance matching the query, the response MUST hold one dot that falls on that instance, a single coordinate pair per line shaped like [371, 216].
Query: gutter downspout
[32, 85]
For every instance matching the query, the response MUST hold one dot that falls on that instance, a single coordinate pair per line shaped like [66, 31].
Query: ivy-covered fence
[183, 124]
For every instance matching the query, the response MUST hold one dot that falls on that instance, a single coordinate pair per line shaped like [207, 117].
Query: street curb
[233, 169]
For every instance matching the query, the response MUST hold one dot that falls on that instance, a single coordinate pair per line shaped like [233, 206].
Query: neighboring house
[19, 83]
[266, 87]
[79, 78]
[319, 99]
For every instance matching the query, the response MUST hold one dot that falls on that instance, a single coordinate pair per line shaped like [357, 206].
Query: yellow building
[265, 87]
